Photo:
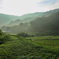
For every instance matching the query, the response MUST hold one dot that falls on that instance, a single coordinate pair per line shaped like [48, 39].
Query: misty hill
[46, 23]
[5, 19]
[22, 27]
[25, 18]
[10, 20]
[16, 22]
[30, 15]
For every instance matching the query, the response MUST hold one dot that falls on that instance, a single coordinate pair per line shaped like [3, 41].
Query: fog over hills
[11, 20]
[40, 23]
[6, 19]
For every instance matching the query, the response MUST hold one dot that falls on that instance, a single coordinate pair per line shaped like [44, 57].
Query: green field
[43, 47]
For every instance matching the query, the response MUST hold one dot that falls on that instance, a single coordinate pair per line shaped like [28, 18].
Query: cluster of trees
[1, 33]
[24, 35]
[4, 37]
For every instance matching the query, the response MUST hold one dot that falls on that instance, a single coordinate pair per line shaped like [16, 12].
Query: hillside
[30, 15]
[25, 18]
[13, 47]
[6, 19]
[47, 24]
[16, 22]
[31, 37]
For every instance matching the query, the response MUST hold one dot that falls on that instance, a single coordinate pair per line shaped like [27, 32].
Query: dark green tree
[1, 33]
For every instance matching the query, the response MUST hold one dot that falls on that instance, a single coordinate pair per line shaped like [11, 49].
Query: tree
[1, 33]
[23, 34]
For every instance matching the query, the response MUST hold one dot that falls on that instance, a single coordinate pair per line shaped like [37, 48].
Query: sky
[21, 7]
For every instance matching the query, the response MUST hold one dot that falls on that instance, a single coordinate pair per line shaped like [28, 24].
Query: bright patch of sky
[48, 2]
[0, 2]
[20, 7]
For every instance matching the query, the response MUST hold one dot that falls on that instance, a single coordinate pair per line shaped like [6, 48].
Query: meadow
[42, 47]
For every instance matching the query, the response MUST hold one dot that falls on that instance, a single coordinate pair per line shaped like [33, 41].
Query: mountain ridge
[43, 25]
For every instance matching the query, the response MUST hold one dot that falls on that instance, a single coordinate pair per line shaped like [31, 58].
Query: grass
[36, 48]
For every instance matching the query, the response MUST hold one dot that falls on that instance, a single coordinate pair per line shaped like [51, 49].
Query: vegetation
[42, 42]
[42, 47]
[46, 25]
[24, 35]
[4, 38]
[1, 33]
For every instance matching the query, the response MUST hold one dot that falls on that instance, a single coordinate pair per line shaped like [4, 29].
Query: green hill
[47, 25]
[36, 48]
[30, 15]
[6, 19]
[43, 24]
[25, 18]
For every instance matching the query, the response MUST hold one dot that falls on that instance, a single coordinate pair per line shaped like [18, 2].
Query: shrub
[23, 34]
[4, 38]
[1, 33]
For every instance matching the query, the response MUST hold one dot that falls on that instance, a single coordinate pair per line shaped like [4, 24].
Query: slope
[5, 19]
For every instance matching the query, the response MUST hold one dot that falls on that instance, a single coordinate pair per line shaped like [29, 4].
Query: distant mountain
[30, 15]
[16, 22]
[11, 20]
[46, 23]
[5, 19]
[22, 27]
[25, 18]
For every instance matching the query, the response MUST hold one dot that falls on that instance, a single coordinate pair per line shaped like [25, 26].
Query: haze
[21, 7]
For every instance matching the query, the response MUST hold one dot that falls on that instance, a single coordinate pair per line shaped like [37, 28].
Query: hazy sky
[20, 7]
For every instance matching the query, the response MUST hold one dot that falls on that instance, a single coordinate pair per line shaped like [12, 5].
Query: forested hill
[46, 23]
[25, 18]
[31, 16]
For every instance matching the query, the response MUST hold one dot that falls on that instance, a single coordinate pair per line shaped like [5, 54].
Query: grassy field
[43, 47]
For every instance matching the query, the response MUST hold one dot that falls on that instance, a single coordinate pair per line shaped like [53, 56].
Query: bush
[4, 38]
[23, 34]
[1, 33]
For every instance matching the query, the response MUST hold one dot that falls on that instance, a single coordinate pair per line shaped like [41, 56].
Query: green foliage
[43, 47]
[24, 35]
[38, 48]
[1, 33]
[4, 38]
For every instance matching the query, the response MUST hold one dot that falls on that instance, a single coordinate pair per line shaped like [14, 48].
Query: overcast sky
[20, 7]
